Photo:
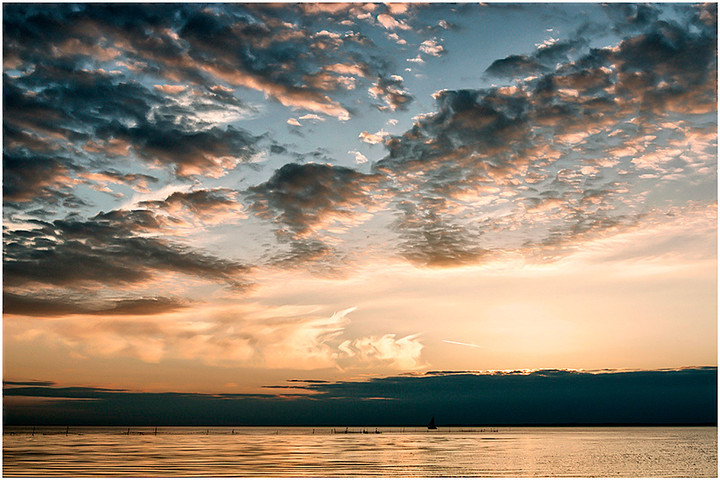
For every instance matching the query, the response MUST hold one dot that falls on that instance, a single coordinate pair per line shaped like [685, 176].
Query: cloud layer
[241, 335]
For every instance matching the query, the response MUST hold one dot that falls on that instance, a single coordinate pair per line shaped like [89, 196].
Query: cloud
[360, 70]
[391, 91]
[313, 117]
[629, 18]
[429, 239]
[309, 254]
[239, 335]
[33, 178]
[515, 66]
[32, 383]
[43, 306]
[270, 64]
[373, 138]
[431, 47]
[397, 8]
[208, 206]
[289, 96]
[59, 111]
[138, 181]
[301, 199]
[545, 59]
[312, 207]
[396, 38]
[391, 23]
[359, 157]
[401, 353]
[538, 397]
[187, 133]
[112, 248]
[171, 89]
[200, 109]
[210, 152]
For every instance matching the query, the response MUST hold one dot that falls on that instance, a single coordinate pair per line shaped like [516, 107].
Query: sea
[361, 452]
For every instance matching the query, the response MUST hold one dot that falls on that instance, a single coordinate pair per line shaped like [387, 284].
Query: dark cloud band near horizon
[545, 397]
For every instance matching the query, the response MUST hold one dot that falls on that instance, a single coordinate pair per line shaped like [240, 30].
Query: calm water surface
[395, 452]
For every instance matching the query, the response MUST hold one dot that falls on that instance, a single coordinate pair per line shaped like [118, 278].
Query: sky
[230, 199]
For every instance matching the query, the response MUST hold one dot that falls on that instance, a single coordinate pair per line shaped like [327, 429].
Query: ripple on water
[178, 452]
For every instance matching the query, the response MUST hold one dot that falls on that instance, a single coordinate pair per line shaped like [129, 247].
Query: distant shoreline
[360, 425]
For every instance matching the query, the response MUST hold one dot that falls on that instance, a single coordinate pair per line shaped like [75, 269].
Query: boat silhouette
[431, 425]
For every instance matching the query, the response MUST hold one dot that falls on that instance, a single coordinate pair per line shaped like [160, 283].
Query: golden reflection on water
[396, 452]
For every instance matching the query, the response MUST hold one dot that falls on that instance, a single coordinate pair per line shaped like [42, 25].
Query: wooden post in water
[67, 429]
[155, 430]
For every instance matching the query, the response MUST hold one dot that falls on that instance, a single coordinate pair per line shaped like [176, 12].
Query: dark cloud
[137, 408]
[670, 49]
[312, 255]
[125, 117]
[300, 198]
[28, 384]
[541, 397]
[704, 15]
[543, 60]
[200, 207]
[207, 152]
[307, 381]
[43, 306]
[590, 82]
[107, 250]
[31, 177]
[118, 222]
[628, 17]
[61, 105]
[392, 92]
[197, 201]
[191, 108]
[670, 69]
[303, 251]
[428, 238]
[656, 397]
[515, 66]
[307, 201]
[560, 51]
[469, 144]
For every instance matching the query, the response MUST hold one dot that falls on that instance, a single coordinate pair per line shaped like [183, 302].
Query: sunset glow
[218, 199]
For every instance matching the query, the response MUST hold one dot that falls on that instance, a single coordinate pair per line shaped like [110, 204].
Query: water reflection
[308, 452]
